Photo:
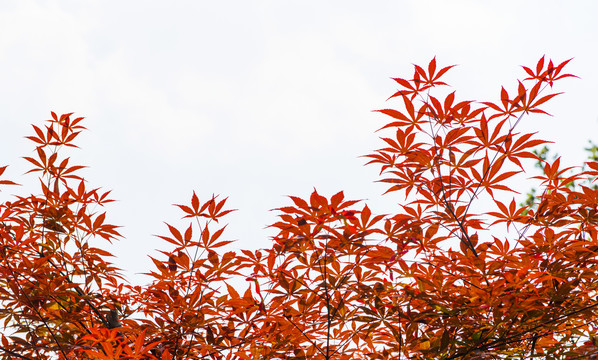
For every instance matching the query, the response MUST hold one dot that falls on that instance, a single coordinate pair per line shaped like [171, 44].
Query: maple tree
[459, 271]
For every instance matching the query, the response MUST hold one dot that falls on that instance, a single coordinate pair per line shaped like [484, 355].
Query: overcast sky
[257, 100]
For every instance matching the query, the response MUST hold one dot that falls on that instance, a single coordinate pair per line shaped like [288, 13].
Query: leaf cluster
[441, 278]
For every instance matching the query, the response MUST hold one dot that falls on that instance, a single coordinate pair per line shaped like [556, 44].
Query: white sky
[256, 100]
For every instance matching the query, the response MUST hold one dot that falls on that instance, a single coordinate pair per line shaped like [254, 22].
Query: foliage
[441, 278]
[543, 155]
